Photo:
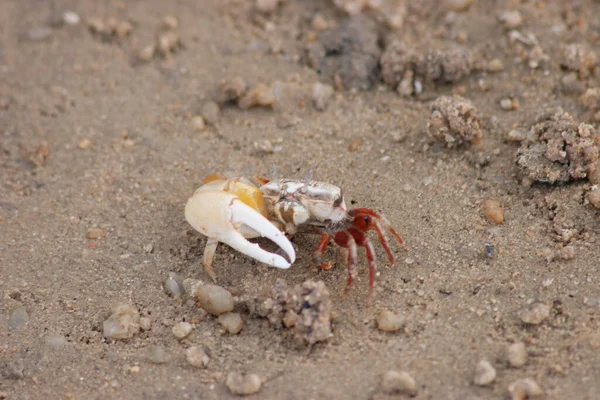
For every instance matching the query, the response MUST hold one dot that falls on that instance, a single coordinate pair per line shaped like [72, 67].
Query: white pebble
[534, 313]
[123, 323]
[484, 373]
[214, 299]
[524, 389]
[321, 95]
[389, 321]
[71, 18]
[398, 382]
[232, 322]
[516, 354]
[198, 123]
[196, 357]
[243, 384]
[182, 329]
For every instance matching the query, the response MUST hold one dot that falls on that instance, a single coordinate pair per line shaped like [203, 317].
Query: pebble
[231, 89]
[516, 135]
[319, 23]
[534, 313]
[594, 198]
[260, 95]
[157, 355]
[493, 211]
[56, 342]
[167, 42]
[485, 373]
[39, 33]
[214, 299]
[567, 253]
[210, 112]
[243, 384]
[95, 233]
[509, 104]
[398, 382]
[174, 285]
[524, 389]
[321, 95]
[71, 18]
[196, 357]
[495, 65]
[232, 322]
[459, 5]
[516, 354]
[182, 329]
[18, 317]
[148, 248]
[146, 53]
[170, 22]
[123, 29]
[145, 323]
[388, 321]
[266, 6]
[198, 123]
[96, 25]
[123, 323]
[511, 19]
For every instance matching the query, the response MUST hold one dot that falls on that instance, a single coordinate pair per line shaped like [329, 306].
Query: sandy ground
[92, 137]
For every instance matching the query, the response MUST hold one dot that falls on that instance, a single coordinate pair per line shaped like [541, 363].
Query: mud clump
[579, 58]
[405, 69]
[347, 54]
[559, 150]
[305, 309]
[454, 121]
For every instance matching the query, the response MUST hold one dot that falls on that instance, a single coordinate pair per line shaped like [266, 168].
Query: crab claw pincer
[223, 216]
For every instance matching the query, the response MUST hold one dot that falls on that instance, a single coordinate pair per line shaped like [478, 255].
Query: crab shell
[296, 202]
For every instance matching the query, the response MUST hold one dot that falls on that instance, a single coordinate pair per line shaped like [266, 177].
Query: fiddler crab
[232, 211]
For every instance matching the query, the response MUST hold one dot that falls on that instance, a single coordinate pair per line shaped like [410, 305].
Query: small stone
[243, 384]
[321, 95]
[232, 89]
[509, 104]
[18, 317]
[146, 53]
[459, 5]
[388, 321]
[594, 197]
[198, 123]
[84, 143]
[511, 19]
[261, 95]
[182, 329]
[516, 135]
[95, 233]
[319, 23]
[123, 29]
[56, 342]
[232, 322]
[214, 299]
[168, 42]
[96, 25]
[123, 323]
[567, 253]
[493, 211]
[157, 355]
[170, 22]
[145, 323]
[266, 6]
[196, 357]
[495, 65]
[71, 18]
[516, 354]
[148, 248]
[39, 33]
[524, 389]
[210, 112]
[535, 313]
[174, 285]
[484, 373]
[398, 382]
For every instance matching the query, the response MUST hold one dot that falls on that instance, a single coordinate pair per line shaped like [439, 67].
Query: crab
[232, 211]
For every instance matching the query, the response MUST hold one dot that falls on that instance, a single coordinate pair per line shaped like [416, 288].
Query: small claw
[240, 213]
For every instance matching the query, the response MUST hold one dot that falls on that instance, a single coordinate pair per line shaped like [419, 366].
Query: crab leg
[209, 254]
[352, 256]
[372, 265]
[320, 250]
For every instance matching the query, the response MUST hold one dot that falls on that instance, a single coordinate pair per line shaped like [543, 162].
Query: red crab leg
[372, 266]
[352, 256]
[320, 250]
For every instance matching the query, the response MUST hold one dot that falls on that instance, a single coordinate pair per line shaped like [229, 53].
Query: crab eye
[367, 221]
[338, 201]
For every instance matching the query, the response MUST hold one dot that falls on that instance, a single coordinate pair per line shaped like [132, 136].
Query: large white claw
[225, 218]
[240, 213]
